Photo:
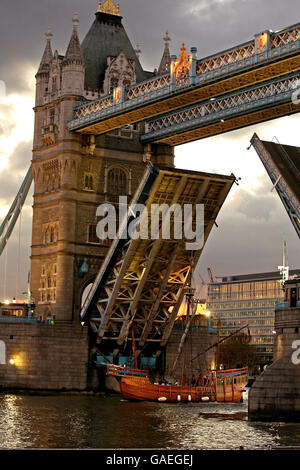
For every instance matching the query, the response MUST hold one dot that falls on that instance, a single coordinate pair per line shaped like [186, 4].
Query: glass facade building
[248, 299]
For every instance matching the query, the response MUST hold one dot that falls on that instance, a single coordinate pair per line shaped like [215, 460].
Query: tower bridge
[105, 128]
[267, 66]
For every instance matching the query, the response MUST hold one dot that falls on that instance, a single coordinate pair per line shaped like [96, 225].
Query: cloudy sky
[252, 223]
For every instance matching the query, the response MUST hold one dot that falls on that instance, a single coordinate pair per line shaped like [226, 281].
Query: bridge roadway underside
[140, 286]
[232, 112]
[174, 102]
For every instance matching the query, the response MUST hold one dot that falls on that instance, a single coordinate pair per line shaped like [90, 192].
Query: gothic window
[51, 176]
[88, 182]
[117, 181]
[52, 239]
[52, 116]
[50, 233]
[54, 83]
[48, 284]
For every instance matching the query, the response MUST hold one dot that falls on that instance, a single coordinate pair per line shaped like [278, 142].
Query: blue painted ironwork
[162, 87]
[13, 319]
[201, 116]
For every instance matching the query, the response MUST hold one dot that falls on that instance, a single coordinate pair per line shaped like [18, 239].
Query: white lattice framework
[225, 59]
[148, 87]
[211, 63]
[222, 105]
[93, 107]
[284, 38]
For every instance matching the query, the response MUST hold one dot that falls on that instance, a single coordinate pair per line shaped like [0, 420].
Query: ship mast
[189, 293]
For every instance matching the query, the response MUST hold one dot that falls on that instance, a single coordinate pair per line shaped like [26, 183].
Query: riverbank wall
[43, 357]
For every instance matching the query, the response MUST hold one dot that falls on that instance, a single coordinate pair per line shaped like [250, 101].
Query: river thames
[108, 422]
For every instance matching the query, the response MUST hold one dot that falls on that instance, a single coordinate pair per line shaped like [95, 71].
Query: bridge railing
[245, 56]
[221, 108]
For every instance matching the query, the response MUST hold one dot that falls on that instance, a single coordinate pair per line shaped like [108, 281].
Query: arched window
[88, 182]
[52, 238]
[117, 182]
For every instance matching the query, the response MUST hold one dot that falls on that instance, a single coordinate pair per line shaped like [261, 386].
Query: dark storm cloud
[259, 206]
[211, 25]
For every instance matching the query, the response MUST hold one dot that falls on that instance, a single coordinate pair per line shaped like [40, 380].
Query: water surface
[96, 422]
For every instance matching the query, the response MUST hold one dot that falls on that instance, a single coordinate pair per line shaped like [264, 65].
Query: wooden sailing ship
[209, 386]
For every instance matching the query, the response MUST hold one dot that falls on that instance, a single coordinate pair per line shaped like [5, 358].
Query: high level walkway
[250, 83]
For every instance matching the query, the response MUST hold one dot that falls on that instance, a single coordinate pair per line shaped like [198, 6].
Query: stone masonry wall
[46, 357]
[275, 395]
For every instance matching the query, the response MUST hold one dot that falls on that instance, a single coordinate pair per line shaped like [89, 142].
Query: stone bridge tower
[74, 173]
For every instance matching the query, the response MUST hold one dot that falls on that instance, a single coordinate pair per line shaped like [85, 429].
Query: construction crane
[210, 275]
[10, 220]
[212, 278]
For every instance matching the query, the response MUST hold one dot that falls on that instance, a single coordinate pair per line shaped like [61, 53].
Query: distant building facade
[248, 299]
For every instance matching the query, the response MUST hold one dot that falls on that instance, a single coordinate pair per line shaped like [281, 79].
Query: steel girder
[288, 197]
[141, 283]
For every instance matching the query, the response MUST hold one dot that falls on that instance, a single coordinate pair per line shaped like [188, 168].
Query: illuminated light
[82, 323]
[12, 362]
[207, 314]
[180, 67]
[14, 300]
[222, 120]
[274, 332]
[212, 99]
[7, 302]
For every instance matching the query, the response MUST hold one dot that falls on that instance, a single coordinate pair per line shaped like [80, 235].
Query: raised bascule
[104, 127]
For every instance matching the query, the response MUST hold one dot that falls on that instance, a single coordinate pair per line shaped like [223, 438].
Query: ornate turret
[74, 52]
[166, 58]
[48, 55]
[42, 76]
[73, 64]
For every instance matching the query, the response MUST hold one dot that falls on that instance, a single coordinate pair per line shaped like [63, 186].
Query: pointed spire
[166, 58]
[47, 56]
[74, 52]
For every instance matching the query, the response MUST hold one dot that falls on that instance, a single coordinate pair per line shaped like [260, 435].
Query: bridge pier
[275, 395]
